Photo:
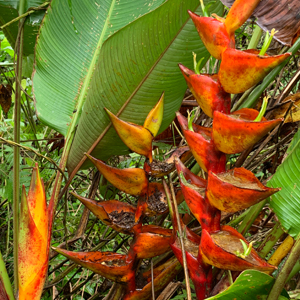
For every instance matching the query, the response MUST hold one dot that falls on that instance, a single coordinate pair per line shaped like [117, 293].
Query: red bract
[221, 248]
[200, 273]
[113, 266]
[207, 215]
[207, 91]
[202, 146]
[213, 34]
[240, 70]
[218, 34]
[152, 241]
[116, 214]
[235, 190]
[131, 181]
[162, 276]
[189, 176]
[237, 132]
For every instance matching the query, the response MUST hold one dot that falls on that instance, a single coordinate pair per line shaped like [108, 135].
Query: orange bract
[116, 214]
[235, 190]
[207, 91]
[220, 249]
[135, 137]
[213, 34]
[240, 70]
[155, 117]
[113, 266]
[131, 181]
[240, 11]
[33, 240]
[235, 133]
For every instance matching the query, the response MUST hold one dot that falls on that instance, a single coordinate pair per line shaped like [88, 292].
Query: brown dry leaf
[294, 113]
[283, 15]
[5, 97]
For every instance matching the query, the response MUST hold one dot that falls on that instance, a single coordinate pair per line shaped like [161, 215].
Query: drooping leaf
[251, 284]
[133, 68]
[286, 203]
[279, 14]
[10, 10]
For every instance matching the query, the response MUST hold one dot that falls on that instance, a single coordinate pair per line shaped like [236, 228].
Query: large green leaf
[67, 50]
[135, 66]
[286, 203]
[10, 10]
[250, 285]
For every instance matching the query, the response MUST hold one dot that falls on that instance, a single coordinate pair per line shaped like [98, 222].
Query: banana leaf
[128, 72]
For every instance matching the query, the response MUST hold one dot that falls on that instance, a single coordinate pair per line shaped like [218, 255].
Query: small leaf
[251, 284]
[286, 203]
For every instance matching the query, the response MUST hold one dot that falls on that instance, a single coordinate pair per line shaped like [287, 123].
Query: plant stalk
[173, 205]
[270, 240]
[285, 271]
[16, 160]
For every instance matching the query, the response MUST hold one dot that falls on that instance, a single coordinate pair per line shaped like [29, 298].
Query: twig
[186, 272]
[152, 281]
[35, 152]
[24, 15]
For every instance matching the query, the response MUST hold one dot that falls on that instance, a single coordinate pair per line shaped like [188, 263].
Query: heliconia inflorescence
[34, 237]
[223, 190]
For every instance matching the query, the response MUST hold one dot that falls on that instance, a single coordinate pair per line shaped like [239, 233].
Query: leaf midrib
[88, 77]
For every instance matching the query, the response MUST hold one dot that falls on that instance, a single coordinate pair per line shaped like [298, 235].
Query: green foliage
[249, 285]
[286, 203]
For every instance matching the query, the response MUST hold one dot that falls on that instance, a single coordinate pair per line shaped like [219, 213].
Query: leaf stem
[267, 41]
[262, 110]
